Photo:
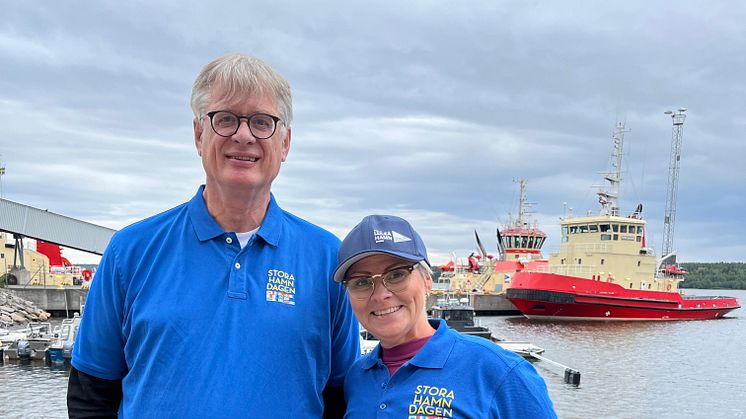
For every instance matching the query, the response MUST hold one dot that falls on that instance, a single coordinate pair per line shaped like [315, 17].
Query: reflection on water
[629, 369]
[641, 369]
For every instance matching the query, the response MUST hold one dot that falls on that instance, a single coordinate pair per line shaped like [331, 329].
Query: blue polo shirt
[196, 327]
[452, 376]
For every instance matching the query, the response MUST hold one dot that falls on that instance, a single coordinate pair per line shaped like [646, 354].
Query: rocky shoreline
[15, 311]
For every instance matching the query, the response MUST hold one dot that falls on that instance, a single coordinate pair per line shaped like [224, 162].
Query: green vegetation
[724, 275]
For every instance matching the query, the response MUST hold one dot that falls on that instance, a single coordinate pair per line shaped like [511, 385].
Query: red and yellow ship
[604, 271]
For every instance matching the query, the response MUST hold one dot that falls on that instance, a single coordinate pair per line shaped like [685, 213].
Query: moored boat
[519, 247]
[604, 271]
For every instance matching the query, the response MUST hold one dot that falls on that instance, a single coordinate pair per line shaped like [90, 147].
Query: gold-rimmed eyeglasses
[395, 280]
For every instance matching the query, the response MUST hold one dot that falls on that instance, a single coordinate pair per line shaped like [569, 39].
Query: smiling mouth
[244, 158]
[387, 311]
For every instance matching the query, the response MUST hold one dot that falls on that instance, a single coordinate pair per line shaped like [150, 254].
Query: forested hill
[729, 275]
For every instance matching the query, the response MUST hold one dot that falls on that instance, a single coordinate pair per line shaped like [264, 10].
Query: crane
[672, 188]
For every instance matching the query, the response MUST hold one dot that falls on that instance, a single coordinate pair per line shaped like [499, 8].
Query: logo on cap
[381, 236]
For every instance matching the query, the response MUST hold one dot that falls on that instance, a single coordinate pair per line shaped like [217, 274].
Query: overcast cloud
[424, 109]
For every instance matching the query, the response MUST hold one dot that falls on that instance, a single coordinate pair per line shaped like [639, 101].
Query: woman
[421, 368]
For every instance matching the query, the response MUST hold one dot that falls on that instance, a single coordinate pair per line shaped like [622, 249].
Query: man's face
[241, 162]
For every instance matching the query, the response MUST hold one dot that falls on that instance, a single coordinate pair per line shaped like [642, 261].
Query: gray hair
[239, 75]
[425, 269]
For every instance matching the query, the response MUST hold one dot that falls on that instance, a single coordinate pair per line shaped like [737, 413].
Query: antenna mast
[609, 197]
[673, 179]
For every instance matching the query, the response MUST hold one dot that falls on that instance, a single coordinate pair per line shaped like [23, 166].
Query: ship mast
[608, 197]
[523, 205]
[673, 180]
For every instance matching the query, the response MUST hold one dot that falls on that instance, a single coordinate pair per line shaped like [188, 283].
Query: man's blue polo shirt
[195, 326]
[452, 376]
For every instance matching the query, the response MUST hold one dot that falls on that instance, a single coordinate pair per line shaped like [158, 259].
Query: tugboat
[519, 247]
[604, 271]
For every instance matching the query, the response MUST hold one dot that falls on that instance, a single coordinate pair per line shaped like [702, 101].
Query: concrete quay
[59, 301]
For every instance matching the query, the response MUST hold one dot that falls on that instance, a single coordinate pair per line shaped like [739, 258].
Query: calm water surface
[629, 369]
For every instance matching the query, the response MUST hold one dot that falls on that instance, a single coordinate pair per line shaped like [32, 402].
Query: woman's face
[394, 318]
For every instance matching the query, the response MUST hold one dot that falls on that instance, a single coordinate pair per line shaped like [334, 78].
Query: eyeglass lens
[394, 280]
[226, 124]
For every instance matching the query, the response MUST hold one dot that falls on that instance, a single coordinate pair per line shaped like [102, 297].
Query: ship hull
[547, 296]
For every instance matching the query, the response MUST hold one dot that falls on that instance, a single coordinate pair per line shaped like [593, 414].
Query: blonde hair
[238, 75]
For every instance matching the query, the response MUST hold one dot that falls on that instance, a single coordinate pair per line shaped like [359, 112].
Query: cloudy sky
[424, 109]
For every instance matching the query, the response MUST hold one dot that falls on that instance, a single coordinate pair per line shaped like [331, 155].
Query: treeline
[725, 275]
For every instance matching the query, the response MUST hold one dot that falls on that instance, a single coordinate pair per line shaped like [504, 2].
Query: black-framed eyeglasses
[226, 123]
[395, 280]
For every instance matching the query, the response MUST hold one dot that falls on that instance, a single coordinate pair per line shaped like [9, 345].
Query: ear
[286, 144]
[197, 136]
[428, 282]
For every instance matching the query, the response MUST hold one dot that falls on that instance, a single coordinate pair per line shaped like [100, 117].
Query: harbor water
[686, 369]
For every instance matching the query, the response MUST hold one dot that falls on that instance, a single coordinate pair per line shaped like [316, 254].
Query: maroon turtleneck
[396, 356]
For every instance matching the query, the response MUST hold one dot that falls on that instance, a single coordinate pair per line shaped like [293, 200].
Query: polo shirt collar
[207, 228]
[204, 225]
[272, 225]
[434, 354]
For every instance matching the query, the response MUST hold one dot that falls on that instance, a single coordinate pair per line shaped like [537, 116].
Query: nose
[243, 134]
[380, 292]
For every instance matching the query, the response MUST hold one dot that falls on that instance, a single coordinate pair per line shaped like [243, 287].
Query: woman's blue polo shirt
[452, 376]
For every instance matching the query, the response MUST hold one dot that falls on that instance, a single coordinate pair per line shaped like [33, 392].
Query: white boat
[524, 349]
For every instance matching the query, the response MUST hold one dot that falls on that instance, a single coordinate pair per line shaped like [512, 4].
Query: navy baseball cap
[380, 234]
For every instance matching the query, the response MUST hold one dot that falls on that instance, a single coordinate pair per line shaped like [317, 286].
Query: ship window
[639, 229]
[638, 263]
[580, 261]
[530, 242]
[564, 230]
[583, 228]
[603, 228]
[606, 237]
[573, 229]
[630, 285]
[623, 228]
[593, 228]
[602, 261]
[639, 238]
[616, 237]
[562, 261]
[564, 239]
[615, 228]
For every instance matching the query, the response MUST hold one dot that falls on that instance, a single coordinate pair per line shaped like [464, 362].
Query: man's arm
[92, 397]
[334, 402]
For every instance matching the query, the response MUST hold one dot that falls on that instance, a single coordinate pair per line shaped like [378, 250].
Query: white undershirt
[244, 238]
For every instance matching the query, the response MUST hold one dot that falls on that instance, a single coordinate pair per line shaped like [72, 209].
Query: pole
[572, 376]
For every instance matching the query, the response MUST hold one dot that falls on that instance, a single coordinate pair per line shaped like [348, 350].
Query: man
[223, 306]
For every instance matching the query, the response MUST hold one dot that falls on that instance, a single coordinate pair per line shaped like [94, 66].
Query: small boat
[460, 317]
[368, 342]
[33, 345]
[61, 349]
[605, 271]
[524, 349]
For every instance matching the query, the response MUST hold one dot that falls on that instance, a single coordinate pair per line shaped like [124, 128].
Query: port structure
[672, 188]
